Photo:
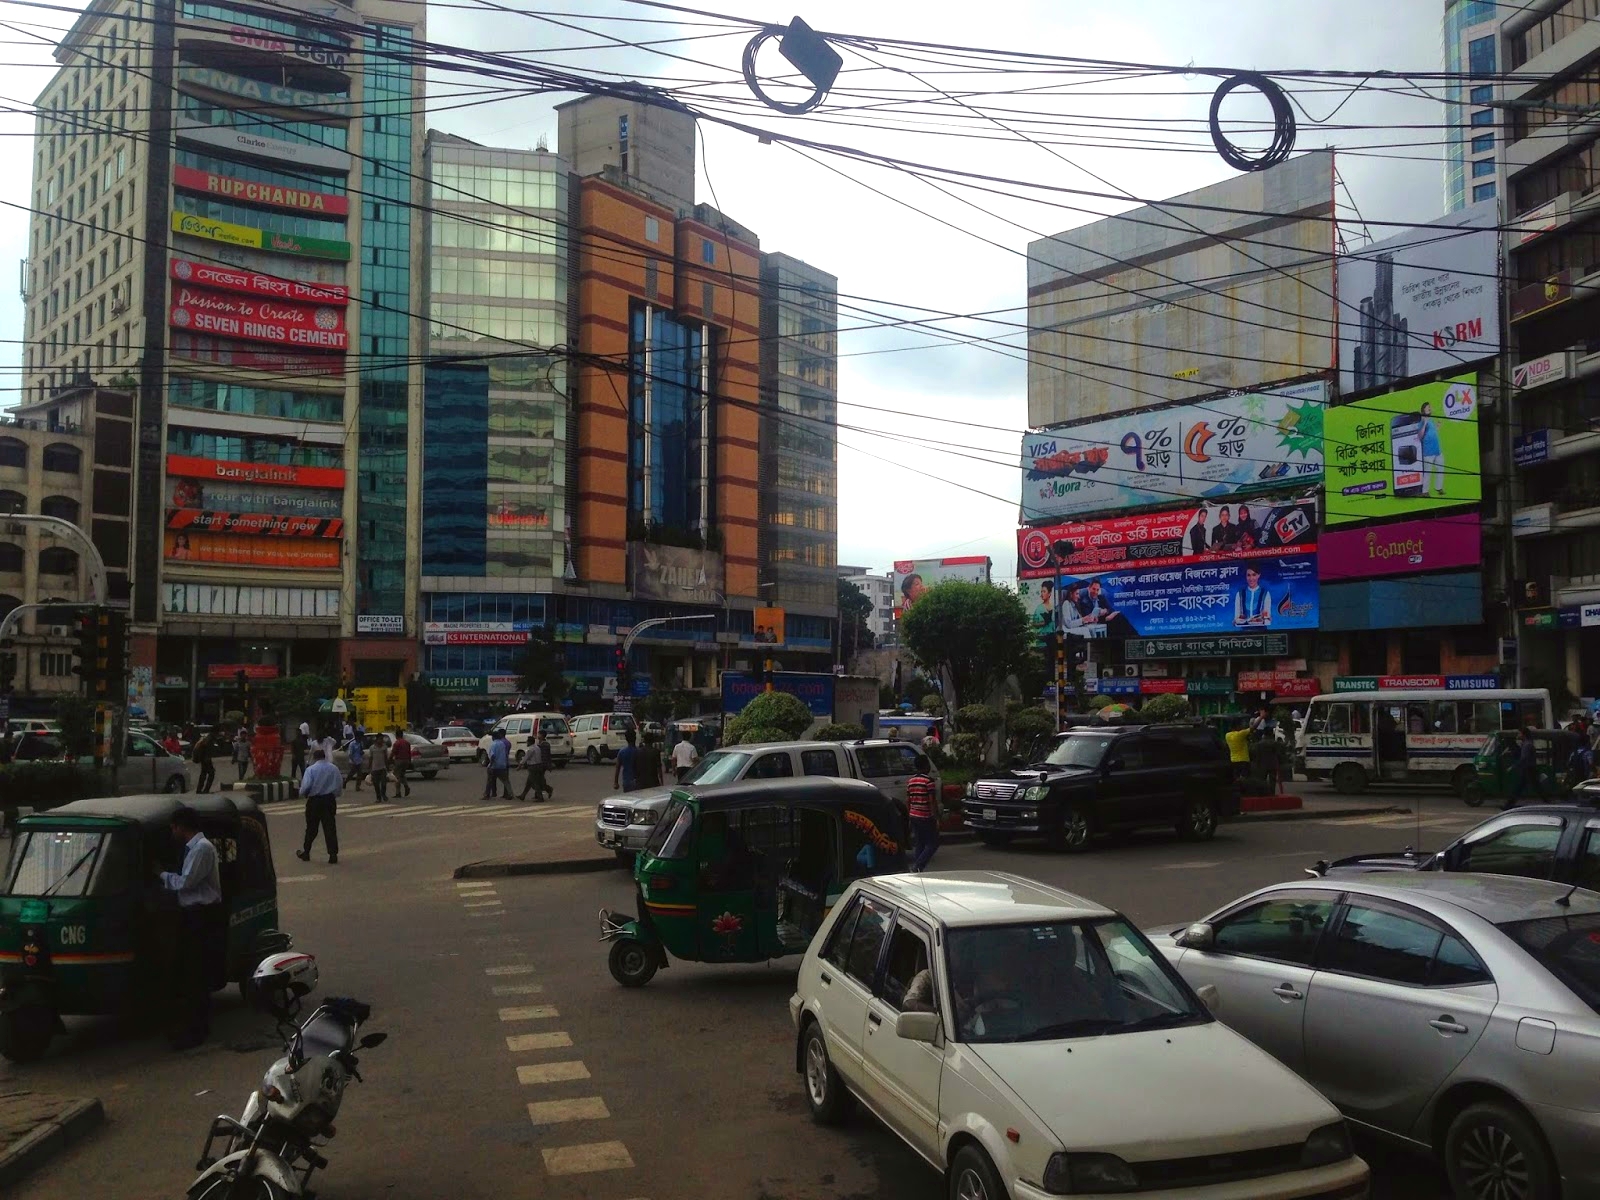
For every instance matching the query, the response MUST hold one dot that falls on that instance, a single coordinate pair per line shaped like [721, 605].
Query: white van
[522, 730]
[598, 736]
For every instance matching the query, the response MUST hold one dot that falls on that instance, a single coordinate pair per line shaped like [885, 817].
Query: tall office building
[1471, 51]
[225, 220]
[1552, 170]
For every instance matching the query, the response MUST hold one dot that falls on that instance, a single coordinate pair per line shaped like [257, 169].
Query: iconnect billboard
[1420, 302]
[1250, 441]
[1404, 453]
[912, 577]
[1402, 548]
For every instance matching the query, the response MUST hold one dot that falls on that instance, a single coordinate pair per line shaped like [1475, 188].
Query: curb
[267, 793]
[48, 1140]
[569, 866]
[1316, 814]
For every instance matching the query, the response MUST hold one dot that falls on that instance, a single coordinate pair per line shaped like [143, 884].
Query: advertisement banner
[1401, 548]
[1530, 449]
[1534, 372]
[738, 689]
[1277, 593]
[228, 138]
[243, 472]
[1404, 452]
[199, 347]
[387, 623]
[1163, 687]
[229, 672]
[222, 497]
[334, 52]
[519, 514]
[675, 573]
[1253, 441]
[1207, 533]
[258, 239]
[1227, 645]
[770, 626]
[432, 637]
[1535, 518]
[1421, 301]
[519, 627]
[1452, 683]
[254, 524]
[249, 600]
[912, 577]
[274, 266]
[258, 284]
[270, 195]
[270, 94]
[181, 546]
[250, 320]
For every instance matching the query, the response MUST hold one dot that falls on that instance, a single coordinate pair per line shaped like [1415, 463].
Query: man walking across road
[204, 748]
[538, 764]
[298, 745]
[923, 807]
[202, 929]
[400, 756]
[626, 774]
[684, 756]
[241, 753]
[357, 756]
[320, 786]
[378, 764]
[499, 763]
[647, 767]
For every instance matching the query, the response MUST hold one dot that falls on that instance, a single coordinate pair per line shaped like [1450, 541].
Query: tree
[1166, 707]
[770, 713]
[976, 634]
[664, 706]
[933, 703]
[855, 608]
[290, 699]
[538, 667]
[847, 731]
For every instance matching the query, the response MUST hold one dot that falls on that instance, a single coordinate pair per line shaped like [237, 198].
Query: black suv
[1110, 777]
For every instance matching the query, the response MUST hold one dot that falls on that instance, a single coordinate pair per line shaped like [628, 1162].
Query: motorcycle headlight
[1070, 1174]
[1330, 1144]
[644, 816]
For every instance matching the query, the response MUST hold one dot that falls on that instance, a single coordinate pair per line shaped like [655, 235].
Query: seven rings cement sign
[258, 320]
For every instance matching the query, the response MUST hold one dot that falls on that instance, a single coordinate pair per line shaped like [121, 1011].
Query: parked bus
[1414, 736]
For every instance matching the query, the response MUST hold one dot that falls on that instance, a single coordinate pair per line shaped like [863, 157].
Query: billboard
[1256, 441]
[1420, 302]
[258, 284]
[180, 546]
[252, 238]
[200, 347]
[281, 474]
[247, 498]
[914, 576]
[254, 524]
[675, 573]
[519, 514]
[1404, 453]
[1266, 527]
[225, 315]
[816, 691]
[1401, 548]
[1235, 594]
[770, 626]
[272, 195]
[1227, 287]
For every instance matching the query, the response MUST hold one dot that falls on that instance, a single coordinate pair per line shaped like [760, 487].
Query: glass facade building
[1471, 54]
[670, 432]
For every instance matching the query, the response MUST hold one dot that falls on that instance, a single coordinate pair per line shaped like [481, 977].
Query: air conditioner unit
[60, 631]
[1131, 670]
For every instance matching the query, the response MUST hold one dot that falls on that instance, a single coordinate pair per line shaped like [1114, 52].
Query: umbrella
[1116, 710]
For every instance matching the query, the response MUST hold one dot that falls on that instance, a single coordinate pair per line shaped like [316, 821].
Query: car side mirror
[1114, 764]
[1199, 936]
[1209, 996]
[917, 1026]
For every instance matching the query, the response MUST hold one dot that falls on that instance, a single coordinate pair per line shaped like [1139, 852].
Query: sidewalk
[35, 1127]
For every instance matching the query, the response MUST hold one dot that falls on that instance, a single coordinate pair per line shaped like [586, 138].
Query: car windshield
[1063, 979]
[454, 731]
[720, 766]
[1569, 947]
[670, 838]
[53, 863]
[1079, 750]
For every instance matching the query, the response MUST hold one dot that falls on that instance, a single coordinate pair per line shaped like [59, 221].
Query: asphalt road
[517, 1067]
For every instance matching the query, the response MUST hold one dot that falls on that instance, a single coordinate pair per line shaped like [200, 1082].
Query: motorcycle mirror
[373, 1039]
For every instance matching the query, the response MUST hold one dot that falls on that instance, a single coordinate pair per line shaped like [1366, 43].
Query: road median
[35, 1127]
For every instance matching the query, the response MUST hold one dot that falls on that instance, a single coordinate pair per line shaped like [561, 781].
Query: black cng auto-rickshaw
[87, 930]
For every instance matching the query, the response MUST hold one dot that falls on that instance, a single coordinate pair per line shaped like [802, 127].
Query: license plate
[610, 839]
[988, 814]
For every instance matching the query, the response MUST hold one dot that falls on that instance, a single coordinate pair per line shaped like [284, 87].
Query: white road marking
[516, 969]
[540, 810]
[529, 1012]
[489, 912]
[300, 878]
[481, 903]
[465, 884]
[519, 989]
[592, 1156]
[552, 1072]
[519, 1042]
[553, 1112]
[1189, 866]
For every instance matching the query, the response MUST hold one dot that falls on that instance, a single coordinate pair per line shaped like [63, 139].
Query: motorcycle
[271, 1150]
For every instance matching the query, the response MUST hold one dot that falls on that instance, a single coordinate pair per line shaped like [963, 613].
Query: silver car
[1459, 1014]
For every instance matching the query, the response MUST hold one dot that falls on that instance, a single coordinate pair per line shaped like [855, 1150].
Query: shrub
[1030, 723]
[842, 732]
[747, 735]
[770, 711]
[1165, 708]
[933, 703]
[42, 785]
[965, 750]
[980, 719]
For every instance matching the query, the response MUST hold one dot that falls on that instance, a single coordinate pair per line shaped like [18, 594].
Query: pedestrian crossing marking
[480, 903]
[582, 1108]
[518, 989]
[587, 1158]
[464, 884]
[529, 1012]
[551, 1072]
[371, 812]
[518, 1042]
[514, 969]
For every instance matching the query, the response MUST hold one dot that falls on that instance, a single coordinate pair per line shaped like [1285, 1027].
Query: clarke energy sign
[1208, 449]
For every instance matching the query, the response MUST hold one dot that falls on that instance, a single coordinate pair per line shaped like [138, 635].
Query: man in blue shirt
[202, 929]
[626, 775]
[499, 760]
[320, 787]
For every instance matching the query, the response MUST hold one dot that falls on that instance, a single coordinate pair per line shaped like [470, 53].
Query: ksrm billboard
[1207, 449]
[1420, 302]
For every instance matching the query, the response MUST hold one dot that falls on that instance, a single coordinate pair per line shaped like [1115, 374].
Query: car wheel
[1074, 831]
[973, 1177]
[25, 1033]
[632, 963]
[1349, 779]
[593, 756]
[995, 840]
[1199, 820]
[430, 774]
[177, 783]
[1494, 1152]
[480, 758]
[828, 1099]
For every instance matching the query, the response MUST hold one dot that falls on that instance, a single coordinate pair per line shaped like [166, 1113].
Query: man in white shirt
[320, 788]
[684, 756]
[202, 929]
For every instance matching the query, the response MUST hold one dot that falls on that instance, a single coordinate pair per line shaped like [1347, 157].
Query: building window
[13, 454]
[1482, 167]
[1484, 116]
[652, 229]
[10, 556]
[1482, 94]
[1481, 56]
[708, 252]
[63, 507]
[1483, 191]
[61, 457]
[13, 502]
[58, 560]
[54, 665]
[1483, 143]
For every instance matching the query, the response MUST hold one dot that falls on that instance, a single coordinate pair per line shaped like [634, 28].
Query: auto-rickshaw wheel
[25, 1033]
[632, 963]
[1472, 794]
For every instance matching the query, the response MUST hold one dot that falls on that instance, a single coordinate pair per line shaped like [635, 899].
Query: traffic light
[115, 625]
[100, 681]
[86, 628]
[622, 663]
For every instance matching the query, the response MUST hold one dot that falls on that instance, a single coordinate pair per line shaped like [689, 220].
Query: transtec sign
[224, 315]
[1449, 683]
[1249, 441]
[258, 239]
[271, 195]
[255, 283]
[1227, 645]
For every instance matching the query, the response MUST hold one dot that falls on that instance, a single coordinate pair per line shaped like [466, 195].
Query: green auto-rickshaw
[87, 930]
[1495, 767]
[746, 873]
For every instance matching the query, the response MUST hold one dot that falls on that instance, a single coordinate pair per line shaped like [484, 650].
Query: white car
[596, 737]
[1030, 1043]
[523, 729]
[459, 741]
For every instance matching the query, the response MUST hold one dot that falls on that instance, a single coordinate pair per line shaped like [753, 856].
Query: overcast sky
[929, 430]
